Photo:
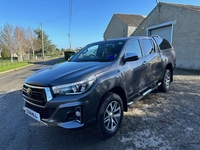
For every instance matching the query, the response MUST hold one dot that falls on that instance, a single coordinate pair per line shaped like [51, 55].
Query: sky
[89, 18]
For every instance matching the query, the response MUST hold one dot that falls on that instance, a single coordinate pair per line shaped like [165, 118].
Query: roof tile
[131, 20]
[192, 7]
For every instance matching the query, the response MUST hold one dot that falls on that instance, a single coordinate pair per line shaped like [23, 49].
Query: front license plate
[32, 113]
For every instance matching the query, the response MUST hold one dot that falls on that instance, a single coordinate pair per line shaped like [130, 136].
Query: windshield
[102, 51]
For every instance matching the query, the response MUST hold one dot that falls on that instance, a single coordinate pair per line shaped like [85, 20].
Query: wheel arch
[119, 91]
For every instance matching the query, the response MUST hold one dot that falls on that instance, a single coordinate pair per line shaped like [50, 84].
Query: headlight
[74, 88]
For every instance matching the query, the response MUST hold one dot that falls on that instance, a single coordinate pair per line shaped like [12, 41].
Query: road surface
[158, 121]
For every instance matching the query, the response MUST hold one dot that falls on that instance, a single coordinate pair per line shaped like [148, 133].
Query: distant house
[122, 25]
[180, 24]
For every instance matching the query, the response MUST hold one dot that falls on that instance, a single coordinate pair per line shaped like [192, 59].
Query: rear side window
[163, 43]
[148, 46]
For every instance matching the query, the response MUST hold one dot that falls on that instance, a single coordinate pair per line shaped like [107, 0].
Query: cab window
[134, 47]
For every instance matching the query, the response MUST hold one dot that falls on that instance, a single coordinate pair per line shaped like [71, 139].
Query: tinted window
[91, 51]
[163, 43]
[148, 46]
[134, 47]
[100, 51]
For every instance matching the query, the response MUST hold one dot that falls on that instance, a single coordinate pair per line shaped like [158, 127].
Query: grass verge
[14, 66]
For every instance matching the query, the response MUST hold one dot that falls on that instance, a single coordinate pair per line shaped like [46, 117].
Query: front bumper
[67, 117]
[70, 112]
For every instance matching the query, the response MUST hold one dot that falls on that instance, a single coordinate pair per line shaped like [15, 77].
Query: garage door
[164, 32]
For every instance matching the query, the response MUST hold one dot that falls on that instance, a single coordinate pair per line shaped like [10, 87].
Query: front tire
[165, 84]
[110, 115]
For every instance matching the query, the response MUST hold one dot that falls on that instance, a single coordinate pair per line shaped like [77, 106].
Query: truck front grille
[34, 95]
[45, 113]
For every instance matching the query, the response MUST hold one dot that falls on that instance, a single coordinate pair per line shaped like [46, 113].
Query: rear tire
[165, 84]
[110, 115]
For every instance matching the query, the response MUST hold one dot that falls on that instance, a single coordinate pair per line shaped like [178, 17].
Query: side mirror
[130, 57]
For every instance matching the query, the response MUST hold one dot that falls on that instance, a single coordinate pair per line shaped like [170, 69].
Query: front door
[134, 71]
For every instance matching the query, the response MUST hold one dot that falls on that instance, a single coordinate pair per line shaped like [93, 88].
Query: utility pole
[42, 41]
[69, 41]
[0, 51]
[70, 20]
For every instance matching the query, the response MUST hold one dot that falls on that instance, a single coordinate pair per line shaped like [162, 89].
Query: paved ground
[158, 121]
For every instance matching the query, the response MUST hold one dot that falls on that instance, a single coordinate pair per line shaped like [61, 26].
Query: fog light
[78, 114]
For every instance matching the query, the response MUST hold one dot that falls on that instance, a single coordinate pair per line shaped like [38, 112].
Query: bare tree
[7, 38]
[33, 41]
[21, 42]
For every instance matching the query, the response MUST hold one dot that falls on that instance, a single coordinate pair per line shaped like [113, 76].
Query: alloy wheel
[112, 115]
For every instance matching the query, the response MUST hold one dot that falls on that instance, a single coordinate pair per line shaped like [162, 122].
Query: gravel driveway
[166, 120]
[159, 121]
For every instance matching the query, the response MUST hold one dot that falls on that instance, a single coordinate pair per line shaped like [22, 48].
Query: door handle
[158, 57]
[144, 63]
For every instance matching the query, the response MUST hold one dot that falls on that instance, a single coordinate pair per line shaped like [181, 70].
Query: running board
[143, 94]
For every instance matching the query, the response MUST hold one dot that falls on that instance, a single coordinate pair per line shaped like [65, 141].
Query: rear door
[134, 71]
[154, 65]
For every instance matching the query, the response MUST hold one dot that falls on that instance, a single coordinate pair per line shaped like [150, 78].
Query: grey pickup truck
[99, 82]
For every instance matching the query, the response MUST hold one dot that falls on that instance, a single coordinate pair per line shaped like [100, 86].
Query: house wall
[185, 35]
[116, 28]
[130, 30]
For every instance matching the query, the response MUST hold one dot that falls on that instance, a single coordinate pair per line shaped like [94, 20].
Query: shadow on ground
[186, 72]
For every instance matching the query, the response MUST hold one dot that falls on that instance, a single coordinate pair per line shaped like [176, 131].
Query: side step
[143, 94]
